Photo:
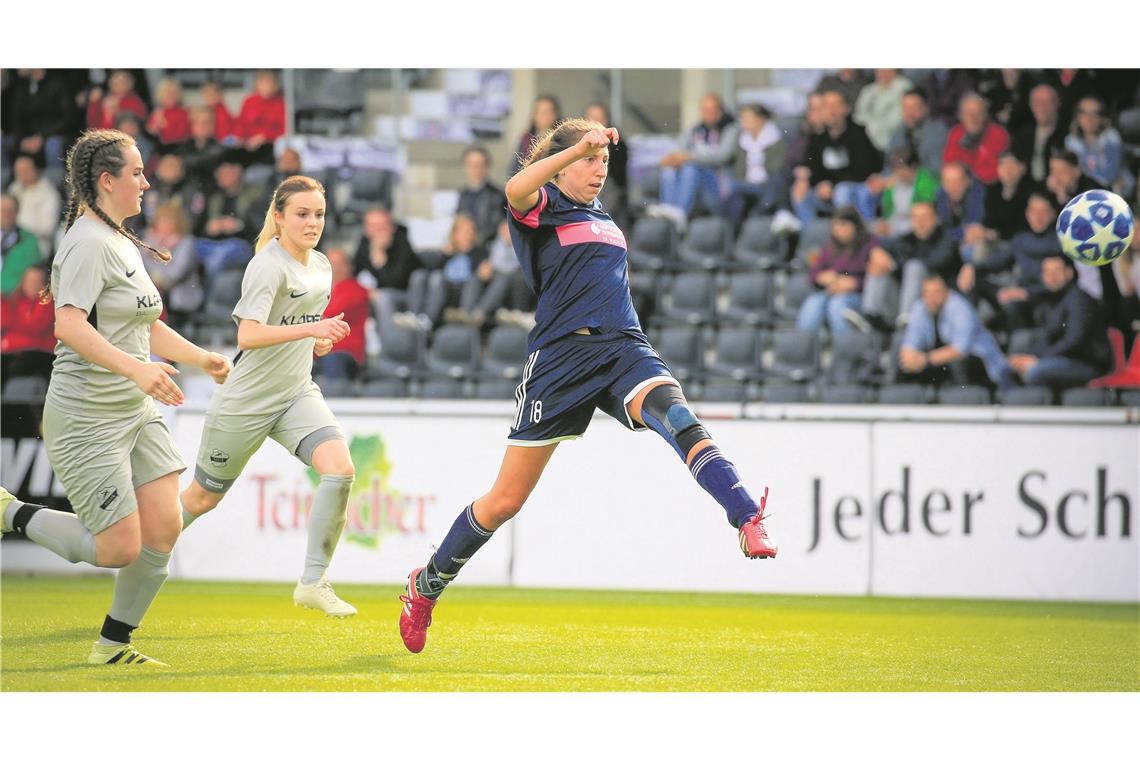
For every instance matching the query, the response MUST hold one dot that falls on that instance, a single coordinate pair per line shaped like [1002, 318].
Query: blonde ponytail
[288, 187]
[268, 230]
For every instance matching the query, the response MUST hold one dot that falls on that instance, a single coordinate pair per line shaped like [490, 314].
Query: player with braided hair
[587, 352]
[105, 439]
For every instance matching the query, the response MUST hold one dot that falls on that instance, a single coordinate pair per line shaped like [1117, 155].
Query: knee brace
[665, 411]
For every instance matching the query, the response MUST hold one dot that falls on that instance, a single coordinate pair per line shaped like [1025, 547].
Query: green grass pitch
[250, 637]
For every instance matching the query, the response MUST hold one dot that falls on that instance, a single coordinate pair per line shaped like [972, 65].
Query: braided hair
[95, 152]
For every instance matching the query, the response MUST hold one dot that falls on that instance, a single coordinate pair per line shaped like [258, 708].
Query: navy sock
[720, 478]
[459, 545]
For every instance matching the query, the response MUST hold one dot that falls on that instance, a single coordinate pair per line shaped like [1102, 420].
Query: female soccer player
[272, 393]
[105, 439]
[587, 351]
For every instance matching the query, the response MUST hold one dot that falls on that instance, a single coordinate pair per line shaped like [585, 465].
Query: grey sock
[137, 584]
[326, 522]
[62, 533]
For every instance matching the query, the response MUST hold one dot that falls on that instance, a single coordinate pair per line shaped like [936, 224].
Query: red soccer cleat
[415, 617]
[754, 539]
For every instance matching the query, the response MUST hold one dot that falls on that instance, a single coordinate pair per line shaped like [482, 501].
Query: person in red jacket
[349, 297]
[212, 98]
[262, 118]
[975, 140]
[169, 123]
[104, 107]
[27, 328]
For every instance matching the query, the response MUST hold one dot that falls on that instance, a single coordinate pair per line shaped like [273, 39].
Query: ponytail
[558, 138]
[289, 186]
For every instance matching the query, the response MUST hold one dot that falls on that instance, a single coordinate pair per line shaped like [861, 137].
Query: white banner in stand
[905, 508]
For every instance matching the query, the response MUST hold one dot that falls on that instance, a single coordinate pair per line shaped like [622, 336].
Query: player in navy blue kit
[587, 352]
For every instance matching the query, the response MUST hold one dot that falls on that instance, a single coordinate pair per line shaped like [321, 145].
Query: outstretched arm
[522, 189]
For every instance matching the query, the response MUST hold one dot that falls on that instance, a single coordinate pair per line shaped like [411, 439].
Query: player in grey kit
[105, 439]
[272, 394]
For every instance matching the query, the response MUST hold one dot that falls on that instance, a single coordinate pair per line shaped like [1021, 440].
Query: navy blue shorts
[565, 381]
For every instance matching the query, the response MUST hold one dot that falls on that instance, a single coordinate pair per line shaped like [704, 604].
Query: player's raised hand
[596, 140]
[154, 380]
[332, 328]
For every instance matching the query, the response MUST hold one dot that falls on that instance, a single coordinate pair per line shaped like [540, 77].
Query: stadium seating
[757, 246]
[706, 244]
[680, 347]
[965, 395]
[505, 354]
[691, 300]
[751, 296]
[738, 354]
[653, 244]
[401, 354]
[795, 356]
[454, 352]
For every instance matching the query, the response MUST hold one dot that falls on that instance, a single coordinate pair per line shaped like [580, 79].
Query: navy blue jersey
[574, 258]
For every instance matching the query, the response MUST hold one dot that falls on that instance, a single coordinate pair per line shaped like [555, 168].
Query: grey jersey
[276, 290]
[100, 271]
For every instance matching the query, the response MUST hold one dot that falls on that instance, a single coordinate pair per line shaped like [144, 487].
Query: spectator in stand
[261, 119]
[1127, 272]
[479, 199]
[1007, 92]
[837, 274]
[498, 287]
[171, 185]
[1024, 255]
[795, 164]
[1071, 85]
[702, 168]
[179, 280]
[27, 328]
[130, 123]
[39, 110]
[214, 101]
[349, 298]
[103, 108]
[615, 194]
[39, 203]
[1074, 348]
[907, 184]
[169, 122]
[756, 162]
[848, 82]
[543, 116]
[288, 164]
[20, 247]
[1098, 147]
[1035, 143]
[879, 106]
[839, 161]
[976, 141]
[918, 131]
[1066, 180]
[202, 152]
[232, 216]
[945, 88]
[1005, 200]
[437, 292]
[945, 342]
[926, 249]
[384, 262]
[960, 205]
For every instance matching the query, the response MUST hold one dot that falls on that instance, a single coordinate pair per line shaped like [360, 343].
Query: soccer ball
[1095, 227]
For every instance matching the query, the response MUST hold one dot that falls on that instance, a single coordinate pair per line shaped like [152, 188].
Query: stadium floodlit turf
[250, 637]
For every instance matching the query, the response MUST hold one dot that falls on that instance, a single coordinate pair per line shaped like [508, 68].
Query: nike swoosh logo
[132, 273]
[297, 295]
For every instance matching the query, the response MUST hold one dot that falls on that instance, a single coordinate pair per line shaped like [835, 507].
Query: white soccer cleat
[6, 498]
[320, 596]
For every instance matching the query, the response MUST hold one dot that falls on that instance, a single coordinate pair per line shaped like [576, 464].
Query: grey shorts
[229, 439]
[101, 461]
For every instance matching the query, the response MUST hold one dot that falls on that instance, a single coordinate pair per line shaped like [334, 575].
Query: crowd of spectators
[938, 191]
